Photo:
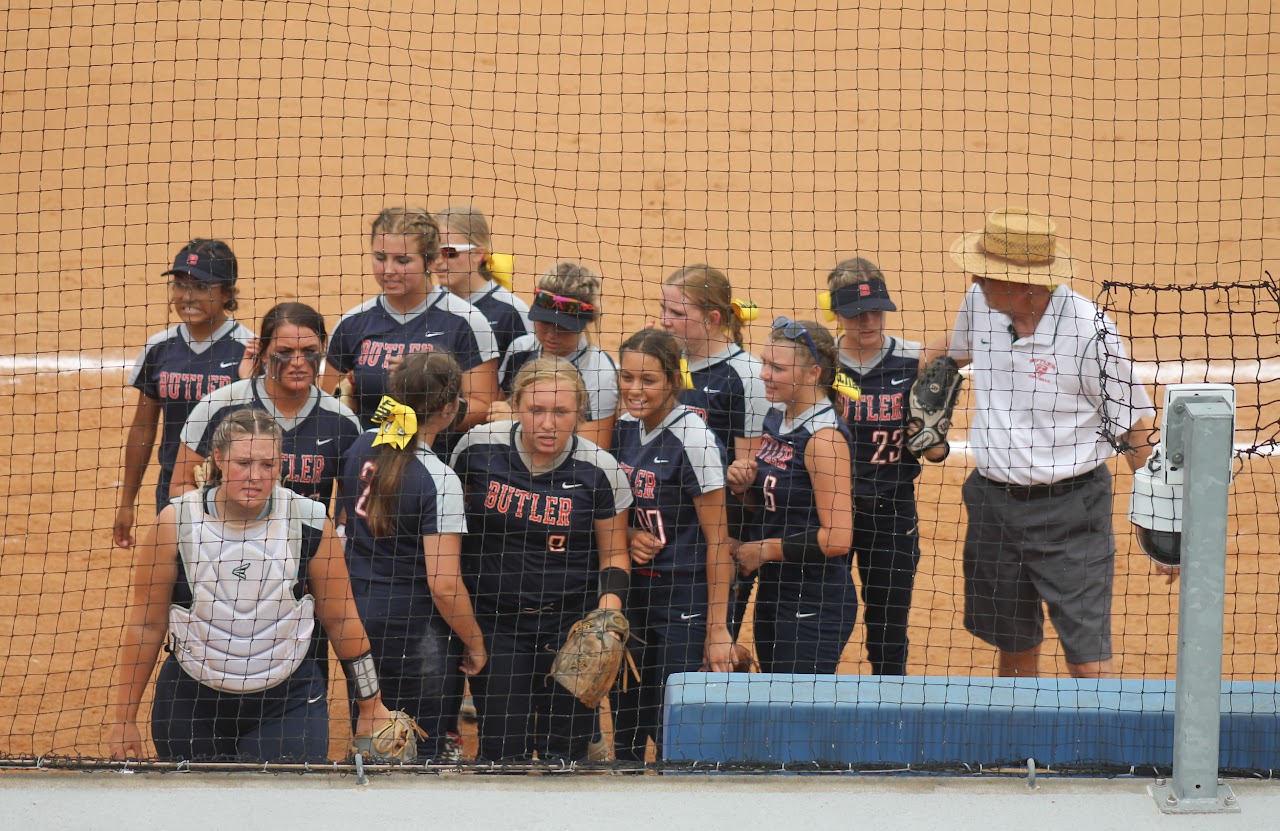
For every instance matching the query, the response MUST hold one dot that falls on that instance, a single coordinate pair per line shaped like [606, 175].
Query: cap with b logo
[206, 263]
[853, 299]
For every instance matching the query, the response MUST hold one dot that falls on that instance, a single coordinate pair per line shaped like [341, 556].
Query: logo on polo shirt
[1042, 368]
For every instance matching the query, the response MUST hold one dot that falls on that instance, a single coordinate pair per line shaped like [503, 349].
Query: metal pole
[1206, 450]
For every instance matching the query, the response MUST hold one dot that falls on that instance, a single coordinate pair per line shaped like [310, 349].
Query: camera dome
[1165, 547]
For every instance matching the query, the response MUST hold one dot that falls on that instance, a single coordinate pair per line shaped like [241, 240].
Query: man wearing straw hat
[1054, 394]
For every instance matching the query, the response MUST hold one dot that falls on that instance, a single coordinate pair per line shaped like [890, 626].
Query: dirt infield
[769, 139]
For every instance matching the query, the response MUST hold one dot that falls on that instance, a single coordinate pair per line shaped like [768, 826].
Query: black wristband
[362, 677]
[803, 548]
[461, 415]
[615, 581]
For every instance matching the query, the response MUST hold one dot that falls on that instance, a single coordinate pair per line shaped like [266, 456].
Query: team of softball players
[497, 476]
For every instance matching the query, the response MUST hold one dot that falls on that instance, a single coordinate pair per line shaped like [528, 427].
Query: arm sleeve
[341, 352]
[450, 514]
[755, 406]
[615, 496]
[705, 471]
[602, 388]
[482, 346]
[142, 377]
[961, 347]
[199, 427]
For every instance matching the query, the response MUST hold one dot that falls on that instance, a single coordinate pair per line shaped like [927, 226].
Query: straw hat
[1015, 245]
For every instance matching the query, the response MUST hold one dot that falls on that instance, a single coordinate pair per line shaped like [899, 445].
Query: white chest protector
[245, 630]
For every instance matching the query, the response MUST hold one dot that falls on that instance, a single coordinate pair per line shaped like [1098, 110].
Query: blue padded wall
[718, 717]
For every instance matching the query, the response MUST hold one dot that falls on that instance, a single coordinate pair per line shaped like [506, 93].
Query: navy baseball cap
[864, 296]
[209, 261]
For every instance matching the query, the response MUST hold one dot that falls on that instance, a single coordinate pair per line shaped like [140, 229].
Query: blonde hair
[550, 369]
[572, 280]
[245, 423]
[415, 223]
[569, 279]
[466, 220]
[855, 270]
[708, 288]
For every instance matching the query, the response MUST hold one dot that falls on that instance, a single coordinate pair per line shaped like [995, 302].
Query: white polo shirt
[1040, 404]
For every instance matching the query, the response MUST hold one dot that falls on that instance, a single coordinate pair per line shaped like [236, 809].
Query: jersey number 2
[366, 475]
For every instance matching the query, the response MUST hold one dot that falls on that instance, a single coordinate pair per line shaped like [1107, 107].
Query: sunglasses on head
[453, 252]
[565, 305]
[794, 330]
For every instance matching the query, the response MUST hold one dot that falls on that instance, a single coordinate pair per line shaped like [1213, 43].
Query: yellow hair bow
[503, 269]
[846, 386]
[745, 310]
[399, 423]
[685, 375]
[824, 303]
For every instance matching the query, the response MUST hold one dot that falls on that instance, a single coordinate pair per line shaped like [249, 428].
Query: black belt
[865, 504]
[1027, 493]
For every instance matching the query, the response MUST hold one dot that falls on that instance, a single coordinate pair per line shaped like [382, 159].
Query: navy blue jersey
[729, 395]
[177, 371]
[314, 441]
[532, 540]
[782, 488]
[599, 372]
[429, 503]
[507, 314]
[668, 468]
[877, 418]
[371, 334]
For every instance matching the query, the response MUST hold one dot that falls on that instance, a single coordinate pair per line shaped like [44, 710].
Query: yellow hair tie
[745, 310]
[399, 423]
[846, 386]
[503, 269]
[685, 374]
[824, 303]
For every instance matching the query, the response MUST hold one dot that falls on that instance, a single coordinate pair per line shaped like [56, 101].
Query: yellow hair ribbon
[503, 269]
[745, 310]
[824, 303]
[846, 386]
[399, 423]
[685, 374]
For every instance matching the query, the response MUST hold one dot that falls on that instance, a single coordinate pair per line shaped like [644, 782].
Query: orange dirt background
[771, 139]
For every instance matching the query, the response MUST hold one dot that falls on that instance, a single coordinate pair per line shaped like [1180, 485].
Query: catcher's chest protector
[245, 631]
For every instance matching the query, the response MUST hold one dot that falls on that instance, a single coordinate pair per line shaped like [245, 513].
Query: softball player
[410, 316]
[405, 518]
[566, 304]
[179, 366]
[724, 385]
[881, 369]
[681, 568]
[219, 579]
[468, 267]
[546, 541]
[317, 429]
[799, 486]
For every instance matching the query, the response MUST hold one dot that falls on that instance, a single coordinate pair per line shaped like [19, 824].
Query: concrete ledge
[270, 802]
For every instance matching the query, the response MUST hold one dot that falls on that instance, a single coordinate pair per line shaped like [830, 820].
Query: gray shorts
[1025, 546]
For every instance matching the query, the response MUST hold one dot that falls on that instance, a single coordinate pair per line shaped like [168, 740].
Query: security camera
[1156, 505]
